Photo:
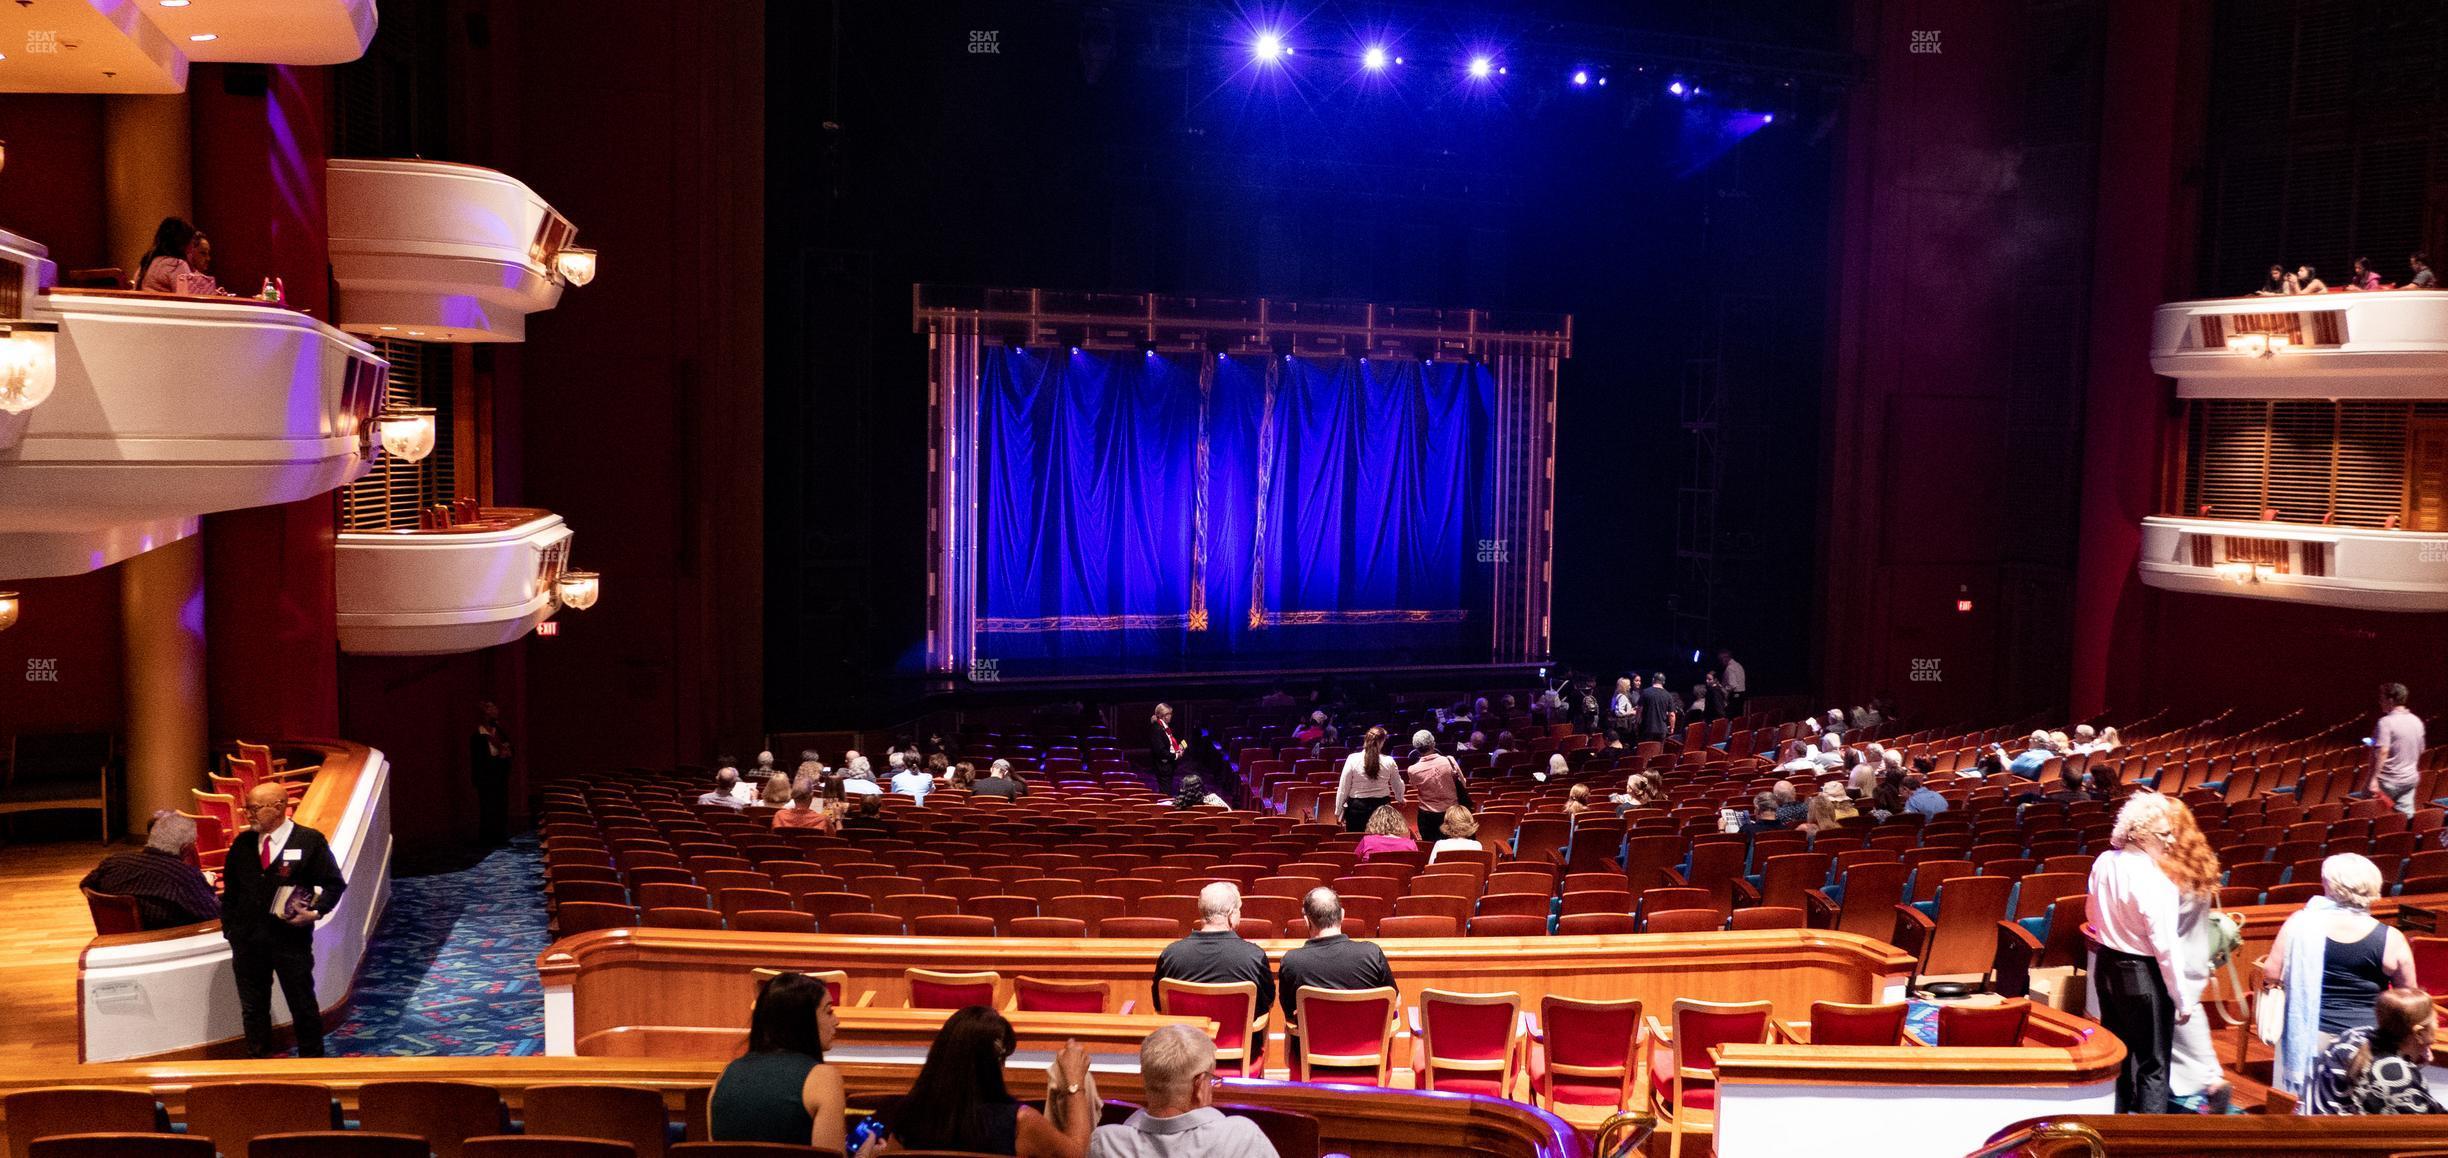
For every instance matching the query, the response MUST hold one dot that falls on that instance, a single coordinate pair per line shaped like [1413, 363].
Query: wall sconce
[29, 364]
[577, 589]
[3, 154]
[8, 610]
[575, 264]
[2258, 345]
[2241, 573]
[407, 432]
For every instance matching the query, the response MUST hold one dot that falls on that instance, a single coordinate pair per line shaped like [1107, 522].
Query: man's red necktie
[263, 844]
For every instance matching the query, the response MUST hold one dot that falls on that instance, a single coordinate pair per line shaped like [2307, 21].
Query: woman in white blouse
[1371, 780]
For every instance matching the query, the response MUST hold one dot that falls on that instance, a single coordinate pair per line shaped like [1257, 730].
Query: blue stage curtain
[1090, 473]
[1338, 511]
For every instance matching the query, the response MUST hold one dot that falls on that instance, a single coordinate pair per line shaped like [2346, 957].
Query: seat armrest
[2017, 950]
[1913, 930]
[1788, 1033]
[1129, 1006]
[1674, 877]
[1819, 909]
[1745, 893]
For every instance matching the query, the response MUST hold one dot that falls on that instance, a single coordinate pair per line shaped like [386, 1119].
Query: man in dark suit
[280, 879]
[489, 768]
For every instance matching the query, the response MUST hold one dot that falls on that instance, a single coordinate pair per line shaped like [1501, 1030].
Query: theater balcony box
[165, 408]
[462, 588]
[441, 252]
[2374, 570]
[2384, 344]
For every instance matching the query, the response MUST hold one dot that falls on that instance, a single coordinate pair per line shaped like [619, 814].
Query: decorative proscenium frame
[1521, 350]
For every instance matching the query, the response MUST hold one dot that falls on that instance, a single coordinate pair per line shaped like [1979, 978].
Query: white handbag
[2269, 1014]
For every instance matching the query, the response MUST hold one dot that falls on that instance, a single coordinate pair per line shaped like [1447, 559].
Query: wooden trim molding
[2093, 1055]
[2236, 1135]
[1361, 1122]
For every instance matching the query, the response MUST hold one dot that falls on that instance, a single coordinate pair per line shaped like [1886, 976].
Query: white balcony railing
[167, 408]
[440, 252]
[441, 592]
[2372, 570]
[2384, 344]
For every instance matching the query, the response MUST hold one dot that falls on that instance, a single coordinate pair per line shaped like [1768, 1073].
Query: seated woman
[959, 1101]
[2306, 280]
[1192, 793]
[776, 792]
[1825, 816]
[1461, 834]
[1577, 801]
[781, 1090]
[1386, 832]
[176, 262]
[2378, 1069]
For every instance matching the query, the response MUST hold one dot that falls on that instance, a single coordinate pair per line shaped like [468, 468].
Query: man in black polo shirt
[1330, 960]
[1215, 953]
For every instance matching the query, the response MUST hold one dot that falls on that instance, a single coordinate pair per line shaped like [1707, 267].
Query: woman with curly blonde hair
[2195, 1079]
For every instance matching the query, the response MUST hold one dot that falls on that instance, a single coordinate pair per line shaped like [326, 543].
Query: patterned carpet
[452, 968]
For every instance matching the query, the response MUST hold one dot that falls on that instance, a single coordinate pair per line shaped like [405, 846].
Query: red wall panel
[51, 192]
[60, 666]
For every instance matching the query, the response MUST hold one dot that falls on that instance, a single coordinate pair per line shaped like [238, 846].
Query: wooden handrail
[2257, 1135]
[2093, 1055]
[1360, 1121]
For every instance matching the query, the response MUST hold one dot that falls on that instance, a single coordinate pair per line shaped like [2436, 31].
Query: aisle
[452, 968]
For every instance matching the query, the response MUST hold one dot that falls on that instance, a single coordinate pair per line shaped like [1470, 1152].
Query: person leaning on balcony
[176, 262]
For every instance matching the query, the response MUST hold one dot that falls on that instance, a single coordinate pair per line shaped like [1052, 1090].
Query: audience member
[2196, 1081]
[1737, 684]
[1557, 765]
[1820, 815]
[1763, 815]
[1799, 759]
[2364, 277]
[781, 1090]
[1370, 781]
[277, 881]
[1658, 715]
[1329, 960]
[2276, 284]
[176, 262]
[909, 779]
[1177, 1076]
[1215, 953]
[1000, 780]
[1623, 711]
[2397, 744]
[1461, 834]
[1436, 784]
[777, 792]
[168, 890]
[1164, 748]
[2332, 960]
[2423, 278]
[2136, 907]
[2378, 1069]
[2306, 280]
[726, 791]
[1192, 793]
[1790, 811]
[961, 775]
[1576, 800]
[960, 1101]
[806, 810]
[489, 773]
[1386, 833]
[1920, 799]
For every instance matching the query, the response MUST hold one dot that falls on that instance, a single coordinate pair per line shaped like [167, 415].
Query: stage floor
[47, 930]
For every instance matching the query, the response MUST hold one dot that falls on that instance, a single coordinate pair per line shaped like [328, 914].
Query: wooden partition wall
[615, 982]
[1363, 1123]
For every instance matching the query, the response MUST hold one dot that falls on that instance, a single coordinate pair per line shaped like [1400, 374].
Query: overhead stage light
[1580, 77]
[1480, 67]
[1269, 47]
[1374, 58]
[1676, 88]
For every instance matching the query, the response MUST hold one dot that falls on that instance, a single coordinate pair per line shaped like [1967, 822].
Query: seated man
[858, 776]
[999, 781]
[1920, 799]
[728, 792]
[169, 891]
[1330, 960]
[1177, 1070]
[1215, 953]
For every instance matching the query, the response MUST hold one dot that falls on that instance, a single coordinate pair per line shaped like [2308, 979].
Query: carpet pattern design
[451, 972]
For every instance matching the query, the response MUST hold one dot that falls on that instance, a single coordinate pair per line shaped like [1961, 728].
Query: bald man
[279, 880]
[1216, 952]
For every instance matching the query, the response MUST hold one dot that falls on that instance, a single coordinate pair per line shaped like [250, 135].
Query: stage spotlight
[1270, 47]
[1580, 78]
[1675, 87]
[1480, 67]
[1602, 82]
[1374, 58]
[1769, 119]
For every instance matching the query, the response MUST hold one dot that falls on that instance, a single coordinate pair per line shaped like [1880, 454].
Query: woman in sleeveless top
[1370, 782]
[959, 1101]
[781, 1090]
[2332, 959]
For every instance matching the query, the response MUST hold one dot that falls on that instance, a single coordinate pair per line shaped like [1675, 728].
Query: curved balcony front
[2382, 344]
[2371, 570]
[440, 592]
[167, 408]
[440, 252]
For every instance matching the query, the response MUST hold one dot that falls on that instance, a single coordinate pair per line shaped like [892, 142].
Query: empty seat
[631, 1114]
[930, 989]
[1582, 1052]
[337, 1144]
[146, 1145]
[233, 1114]
[33, 1114]
[546, 1146]
[1469, 1043]
[445, 1113]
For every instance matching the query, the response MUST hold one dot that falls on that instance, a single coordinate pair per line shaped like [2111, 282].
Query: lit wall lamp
[577, 589]
[29, 364]
[2258, 345]
[407, 432]
[8, 610]
[575, 264]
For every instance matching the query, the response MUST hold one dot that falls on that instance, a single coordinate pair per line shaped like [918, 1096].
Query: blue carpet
[451, 971]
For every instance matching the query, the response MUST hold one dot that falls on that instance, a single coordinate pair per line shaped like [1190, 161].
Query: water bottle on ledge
[273, 291]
